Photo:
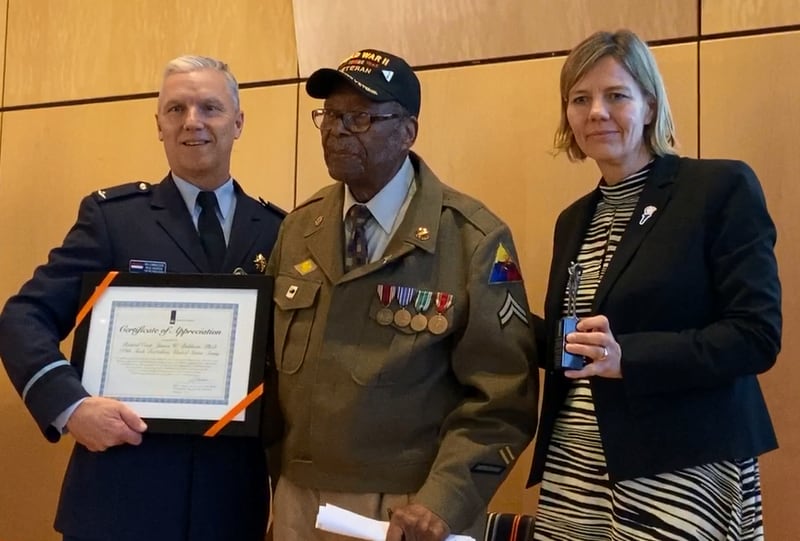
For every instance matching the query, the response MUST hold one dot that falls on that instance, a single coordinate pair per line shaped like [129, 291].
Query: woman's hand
[594, 340]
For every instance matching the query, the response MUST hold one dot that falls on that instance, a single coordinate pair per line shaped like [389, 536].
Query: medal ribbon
[443, 301]
[386, 294]
[423, 301]
[404, 295]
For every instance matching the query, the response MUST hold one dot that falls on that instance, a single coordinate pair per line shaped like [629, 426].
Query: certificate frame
[132, 345]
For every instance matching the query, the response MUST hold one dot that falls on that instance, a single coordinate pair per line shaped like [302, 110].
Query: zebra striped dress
[720, 501]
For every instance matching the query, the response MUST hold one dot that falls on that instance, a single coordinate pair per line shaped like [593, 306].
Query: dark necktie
[210, 230]
[356, 250]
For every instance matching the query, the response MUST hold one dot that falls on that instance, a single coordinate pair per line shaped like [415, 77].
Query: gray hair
[189, 63]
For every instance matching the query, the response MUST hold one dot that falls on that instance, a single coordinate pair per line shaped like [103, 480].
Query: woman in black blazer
[655, 437]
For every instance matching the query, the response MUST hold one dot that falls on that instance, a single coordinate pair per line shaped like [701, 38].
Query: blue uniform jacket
[171, 487]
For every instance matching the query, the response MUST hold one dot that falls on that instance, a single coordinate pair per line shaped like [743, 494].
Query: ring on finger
[605, 353]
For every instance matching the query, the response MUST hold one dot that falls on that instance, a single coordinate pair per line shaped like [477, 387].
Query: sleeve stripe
[38, 375]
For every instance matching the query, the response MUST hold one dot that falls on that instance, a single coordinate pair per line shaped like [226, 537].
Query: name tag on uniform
[143, 265]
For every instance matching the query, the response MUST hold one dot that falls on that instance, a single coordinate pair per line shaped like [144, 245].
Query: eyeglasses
[353, 121]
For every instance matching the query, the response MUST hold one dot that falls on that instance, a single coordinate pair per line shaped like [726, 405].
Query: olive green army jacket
[375, 403]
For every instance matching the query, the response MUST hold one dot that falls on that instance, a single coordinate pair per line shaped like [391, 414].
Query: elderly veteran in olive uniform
[122, 482]
[402, 332]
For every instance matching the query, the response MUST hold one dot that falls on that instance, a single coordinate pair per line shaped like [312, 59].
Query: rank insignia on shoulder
[511, 309]
[123, 190]
[505, 269]
[278, 211]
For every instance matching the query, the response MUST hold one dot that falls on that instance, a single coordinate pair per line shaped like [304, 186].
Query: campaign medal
[385, 316]
[402, 317]
[419, 322]
[438, 323]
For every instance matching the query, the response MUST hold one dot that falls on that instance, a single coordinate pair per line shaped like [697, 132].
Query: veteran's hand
[99, 423]
[415, 522]
[594, 340]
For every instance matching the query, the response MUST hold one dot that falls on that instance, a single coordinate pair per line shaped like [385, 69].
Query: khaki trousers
[294, 511]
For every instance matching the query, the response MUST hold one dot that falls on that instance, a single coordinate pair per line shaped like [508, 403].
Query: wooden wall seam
[696, 39]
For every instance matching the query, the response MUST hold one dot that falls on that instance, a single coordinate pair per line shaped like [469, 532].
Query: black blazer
[169, 487]
[693, 298]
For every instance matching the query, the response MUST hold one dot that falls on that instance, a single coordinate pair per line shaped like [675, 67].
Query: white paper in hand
[343, 522]
[337, 520]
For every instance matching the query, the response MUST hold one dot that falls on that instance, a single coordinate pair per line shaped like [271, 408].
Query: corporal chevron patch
[511, 309]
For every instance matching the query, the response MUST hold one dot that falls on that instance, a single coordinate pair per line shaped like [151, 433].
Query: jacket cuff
[51, 395]
[453, 506]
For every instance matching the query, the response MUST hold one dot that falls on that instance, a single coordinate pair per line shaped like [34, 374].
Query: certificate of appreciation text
[171, 352]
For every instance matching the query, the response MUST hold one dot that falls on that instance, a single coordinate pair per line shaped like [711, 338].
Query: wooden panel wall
[755, 118]
[264, 156]
[74, 49]
[440, 32]
[719, 16]
[3, 12]
[486, 128]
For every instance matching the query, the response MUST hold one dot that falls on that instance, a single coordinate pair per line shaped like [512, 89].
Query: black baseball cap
[380, 76]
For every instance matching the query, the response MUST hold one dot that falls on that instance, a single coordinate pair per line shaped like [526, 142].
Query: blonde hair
[633, 55]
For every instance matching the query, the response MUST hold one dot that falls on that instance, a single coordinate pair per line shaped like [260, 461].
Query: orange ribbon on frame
[234, 411]
[98, 292]
[225, 419]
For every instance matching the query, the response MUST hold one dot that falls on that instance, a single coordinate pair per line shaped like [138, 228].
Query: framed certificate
[182, 350]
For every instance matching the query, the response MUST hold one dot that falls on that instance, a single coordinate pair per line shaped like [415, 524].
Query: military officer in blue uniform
[123, 483]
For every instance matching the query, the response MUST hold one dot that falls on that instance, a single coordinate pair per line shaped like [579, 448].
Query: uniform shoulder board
[123, 190]
[275, 209]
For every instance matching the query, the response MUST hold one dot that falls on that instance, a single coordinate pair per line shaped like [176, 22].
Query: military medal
[419, 322]
[385, 316]
[404, 295]
[438, 323]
